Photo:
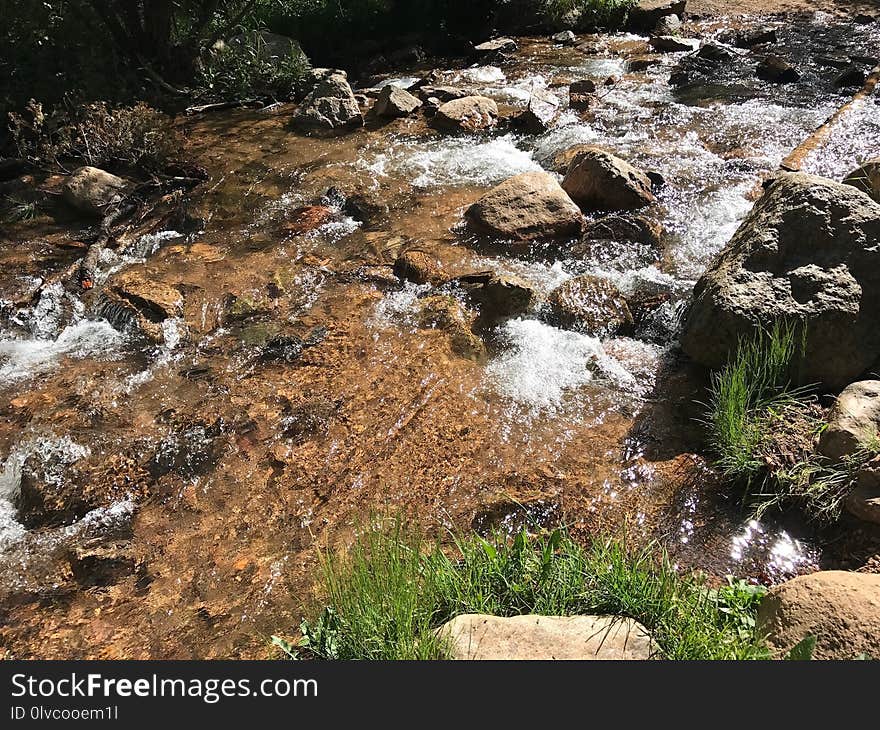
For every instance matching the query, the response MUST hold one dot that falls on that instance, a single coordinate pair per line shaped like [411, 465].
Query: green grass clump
[744, 396]
[387, 597]
[761, 430]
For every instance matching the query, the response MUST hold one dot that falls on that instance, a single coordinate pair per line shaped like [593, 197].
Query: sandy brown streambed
[231, 459]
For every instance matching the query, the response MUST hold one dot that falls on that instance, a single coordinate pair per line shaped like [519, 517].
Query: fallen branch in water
[223, 105]
[795, 159]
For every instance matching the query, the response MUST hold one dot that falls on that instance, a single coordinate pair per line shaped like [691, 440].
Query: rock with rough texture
[330, 108]
[134, 302]
[468, 114]
[842, 610]
[525, 207]
[806, 252]
[668, 25]
[854, 421]
[498, 295]
[476, 637]
[647, 13]
[446, 313]
[636, 228]
[867, 178]
[419, 267]
[705, 66]
[540, 113]
[495, 47]
[581, 94]
[850, 77]
[673, 44]
[561, 161]
[90, 190]
[564, 38]
[395, 102]
[863, 501]
[777, 70]
[591, 305]
[443, 93]
[598, 180]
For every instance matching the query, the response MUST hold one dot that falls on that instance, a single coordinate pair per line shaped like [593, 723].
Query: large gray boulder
[468, 114]
[807, 252]
[598, 180]
[478, 637]
[330, 107]
[527, 206]
[91, 190]
[842, 610]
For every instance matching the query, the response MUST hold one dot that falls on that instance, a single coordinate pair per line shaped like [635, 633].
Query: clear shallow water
[548, 400]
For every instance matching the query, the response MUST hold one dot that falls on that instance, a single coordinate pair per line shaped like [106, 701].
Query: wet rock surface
[590, 305]
[467, 114]
[527, 206]
[598, 180]
[804, 253]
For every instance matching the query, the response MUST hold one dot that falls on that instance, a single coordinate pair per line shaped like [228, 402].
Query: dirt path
[766, 7]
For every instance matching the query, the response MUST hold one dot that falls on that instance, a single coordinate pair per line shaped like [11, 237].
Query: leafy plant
[803, 650]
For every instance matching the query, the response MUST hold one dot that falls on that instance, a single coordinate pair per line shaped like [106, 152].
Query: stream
[207, 468]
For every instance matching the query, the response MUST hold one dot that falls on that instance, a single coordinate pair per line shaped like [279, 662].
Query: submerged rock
[395, 102]
[750, 37]
[850, 77]
[443, 93]
[499, 296]
[598, 180]
[806, 253]
[636, 228]
[841, 609]
[867, 178]
[447, 314]
[419, 267]
[468, 114]
[91, 190]
[329, 108]
[591, 305]
[854, 421]
[525, 207]
[777, 70]
[474, 637]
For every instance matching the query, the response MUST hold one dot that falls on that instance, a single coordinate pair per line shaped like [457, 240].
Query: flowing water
[212, 466]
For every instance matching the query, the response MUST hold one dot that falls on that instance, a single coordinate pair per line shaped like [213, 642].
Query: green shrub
[248, 68]
[387, 597]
